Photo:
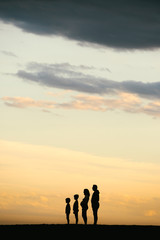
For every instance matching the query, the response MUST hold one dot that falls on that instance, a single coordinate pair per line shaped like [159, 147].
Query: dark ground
[79, 231]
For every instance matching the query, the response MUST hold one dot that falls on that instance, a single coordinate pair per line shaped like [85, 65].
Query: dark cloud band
[114, 23]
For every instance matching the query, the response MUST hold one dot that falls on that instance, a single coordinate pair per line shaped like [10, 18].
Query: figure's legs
[67, 218]
[84, 215]
[76, 216]
[95, 216]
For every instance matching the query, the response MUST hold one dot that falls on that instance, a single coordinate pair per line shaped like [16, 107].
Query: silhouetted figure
[68, 209]
[76, 207]
[84, 205]
[95, 203]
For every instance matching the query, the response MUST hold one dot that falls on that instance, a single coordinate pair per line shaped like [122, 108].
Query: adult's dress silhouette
[95, 203]
[84, 205]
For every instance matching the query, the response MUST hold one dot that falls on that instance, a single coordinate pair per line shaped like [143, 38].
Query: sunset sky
[80, 105]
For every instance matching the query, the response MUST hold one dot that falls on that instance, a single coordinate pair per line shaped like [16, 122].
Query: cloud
[69, 77]
[8, 53]
[86, 92]
[152, 108]
[123, 101]
[114, 23]
[25, 102]
[126, 102]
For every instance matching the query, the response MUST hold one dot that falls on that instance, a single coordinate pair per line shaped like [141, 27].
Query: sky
[80, 105]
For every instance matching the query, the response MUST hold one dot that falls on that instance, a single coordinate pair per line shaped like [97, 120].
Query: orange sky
[35, 180]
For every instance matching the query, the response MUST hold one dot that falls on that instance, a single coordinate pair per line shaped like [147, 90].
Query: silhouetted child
[76, 207]
[68, 209]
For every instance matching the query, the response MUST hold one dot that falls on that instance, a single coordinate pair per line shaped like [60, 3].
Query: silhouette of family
[84, 205]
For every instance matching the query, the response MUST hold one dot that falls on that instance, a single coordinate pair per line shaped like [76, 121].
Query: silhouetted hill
[73, 231]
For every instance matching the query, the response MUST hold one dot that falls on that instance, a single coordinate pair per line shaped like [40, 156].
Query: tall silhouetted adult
[95, 203]
[84, 205]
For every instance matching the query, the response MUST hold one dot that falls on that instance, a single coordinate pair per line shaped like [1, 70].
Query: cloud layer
[123, 102]
[114, 23]
[66, 76]
[86, 92]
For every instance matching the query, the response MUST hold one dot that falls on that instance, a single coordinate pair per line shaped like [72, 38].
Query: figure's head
[68, 200]
[86, 192]
[76, 196]
[94, 187]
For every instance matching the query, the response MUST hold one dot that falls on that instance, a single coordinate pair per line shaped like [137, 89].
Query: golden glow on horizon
[35, 180]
